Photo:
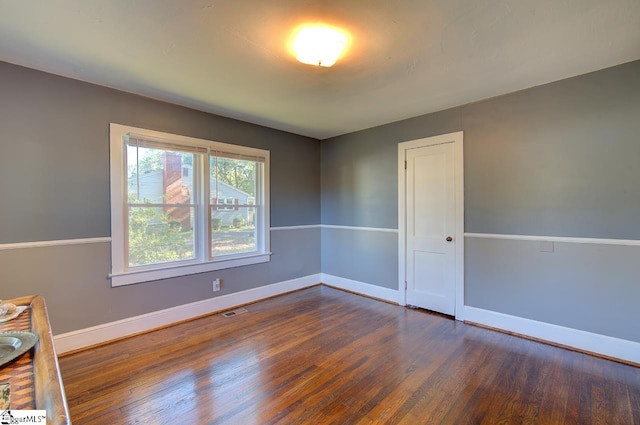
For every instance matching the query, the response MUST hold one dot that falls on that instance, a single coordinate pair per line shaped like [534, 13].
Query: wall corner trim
[367, 289]
[62, 242]
[584, 341]
[298, 227]
[562, 239]
[369, 229]
[100, 334]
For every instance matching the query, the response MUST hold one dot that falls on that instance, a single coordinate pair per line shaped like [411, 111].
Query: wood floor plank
[324, 356]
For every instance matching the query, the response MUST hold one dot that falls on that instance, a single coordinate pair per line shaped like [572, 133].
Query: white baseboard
[582, 340]
[88, 337]
[363, 288]
[595, 343]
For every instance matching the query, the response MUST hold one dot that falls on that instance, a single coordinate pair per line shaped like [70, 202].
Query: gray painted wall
[555, 160]
[54, 184]
[73, 279]
[55, 134]
[348, 252]
[591, 287]
[560, 159]
[360, 172]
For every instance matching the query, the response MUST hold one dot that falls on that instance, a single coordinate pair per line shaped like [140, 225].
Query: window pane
[232, 232]
[158, 235]
[232, 179]
[232, 185]
[157, 176]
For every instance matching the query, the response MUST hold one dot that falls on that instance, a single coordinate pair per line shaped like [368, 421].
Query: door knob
[449, 238]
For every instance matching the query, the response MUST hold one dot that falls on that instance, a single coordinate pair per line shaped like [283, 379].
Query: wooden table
[35, 376]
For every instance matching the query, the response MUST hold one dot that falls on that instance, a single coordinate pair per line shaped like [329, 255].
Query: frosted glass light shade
[319, 45]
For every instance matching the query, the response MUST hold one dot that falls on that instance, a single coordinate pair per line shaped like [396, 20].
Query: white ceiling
[407, 58]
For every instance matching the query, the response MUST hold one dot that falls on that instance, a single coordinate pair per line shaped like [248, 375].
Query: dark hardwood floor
[324, 356]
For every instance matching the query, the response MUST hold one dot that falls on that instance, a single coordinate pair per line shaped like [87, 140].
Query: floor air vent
[235, 312]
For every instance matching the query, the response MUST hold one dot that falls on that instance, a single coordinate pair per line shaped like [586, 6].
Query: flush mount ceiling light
[319, 45]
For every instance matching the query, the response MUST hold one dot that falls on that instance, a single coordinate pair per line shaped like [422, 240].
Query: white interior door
[431, 228]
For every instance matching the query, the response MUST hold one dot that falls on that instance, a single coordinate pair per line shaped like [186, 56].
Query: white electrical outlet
[216, 285]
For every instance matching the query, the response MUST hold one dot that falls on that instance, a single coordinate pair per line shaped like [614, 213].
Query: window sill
[139, 276]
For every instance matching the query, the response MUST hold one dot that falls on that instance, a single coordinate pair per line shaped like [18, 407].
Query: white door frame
[457, 140]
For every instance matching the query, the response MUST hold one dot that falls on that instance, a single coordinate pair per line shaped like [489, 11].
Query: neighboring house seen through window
[181, 205]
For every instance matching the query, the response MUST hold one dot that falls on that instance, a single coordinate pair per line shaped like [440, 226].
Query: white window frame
[120, 273]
